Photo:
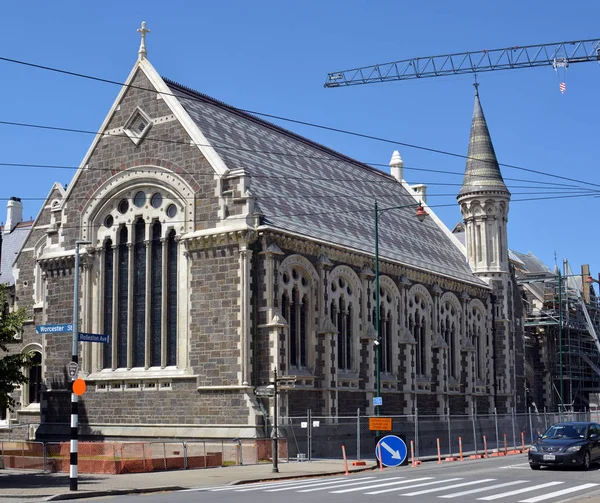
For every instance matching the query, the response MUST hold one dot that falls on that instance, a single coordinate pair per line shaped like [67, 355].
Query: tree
[11, 365]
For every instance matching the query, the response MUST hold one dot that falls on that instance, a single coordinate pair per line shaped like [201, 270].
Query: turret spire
[482, 173]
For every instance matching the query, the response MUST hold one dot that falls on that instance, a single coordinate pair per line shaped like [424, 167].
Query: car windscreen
[566, 431]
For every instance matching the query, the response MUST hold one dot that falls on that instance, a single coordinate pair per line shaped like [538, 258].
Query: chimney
[421, 190]
[396, 165]
[14, 214]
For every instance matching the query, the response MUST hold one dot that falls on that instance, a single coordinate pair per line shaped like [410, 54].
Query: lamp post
[421, 215]
[74, 359]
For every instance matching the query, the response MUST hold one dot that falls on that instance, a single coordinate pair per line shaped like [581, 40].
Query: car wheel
[587, 461]
[534, 466]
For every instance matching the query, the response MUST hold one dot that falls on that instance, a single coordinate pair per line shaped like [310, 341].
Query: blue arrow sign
[83, 337]
[391, 450]
[52, 329]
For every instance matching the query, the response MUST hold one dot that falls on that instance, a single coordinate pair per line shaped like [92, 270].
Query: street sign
[83, 337]
[377, 400]
[49, 329]
[73, 368]
[380, 423]
[391, 450]
[264, 390]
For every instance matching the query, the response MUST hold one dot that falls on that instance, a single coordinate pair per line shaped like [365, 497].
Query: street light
[74, 360]
[421, 215]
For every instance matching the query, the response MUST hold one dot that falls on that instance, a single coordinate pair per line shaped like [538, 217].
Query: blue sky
[273, 57]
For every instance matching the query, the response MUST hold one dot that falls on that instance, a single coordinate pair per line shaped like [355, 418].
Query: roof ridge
[274, 126]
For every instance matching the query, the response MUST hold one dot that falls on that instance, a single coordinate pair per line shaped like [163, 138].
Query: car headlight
[573, 448]
[533, 448]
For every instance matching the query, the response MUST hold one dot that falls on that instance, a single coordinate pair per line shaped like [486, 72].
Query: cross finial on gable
[142, 52]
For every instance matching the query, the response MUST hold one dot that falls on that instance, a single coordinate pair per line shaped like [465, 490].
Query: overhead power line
[271, 116]
[276, 153]
[367, 210]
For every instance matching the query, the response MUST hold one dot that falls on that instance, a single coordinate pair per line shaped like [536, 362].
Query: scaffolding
[579, 309]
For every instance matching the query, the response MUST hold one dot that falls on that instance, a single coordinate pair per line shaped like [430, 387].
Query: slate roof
[10, 244]
[532, 264]
[482, 172]
[309, 190]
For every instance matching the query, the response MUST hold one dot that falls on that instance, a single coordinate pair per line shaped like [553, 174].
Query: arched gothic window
[341, 316]
[134, 220]
[295, 312]
[419, 310]
[140, 314]
[450, 321]
[386, 323]
[344, 301]
[421, 349]
[476, 335]
[296, 301]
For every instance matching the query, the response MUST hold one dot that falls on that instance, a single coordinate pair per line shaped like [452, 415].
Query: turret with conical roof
[483, 200]
[482, 173]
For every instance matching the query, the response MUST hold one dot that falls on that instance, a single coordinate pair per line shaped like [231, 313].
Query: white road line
[343, 484]
[519, 491]
[263, 485]
[416, 485]
[438, 489]
[482, 489]
[374, 486]
[558, 493]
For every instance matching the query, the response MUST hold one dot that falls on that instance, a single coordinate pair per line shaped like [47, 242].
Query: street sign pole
[74, 359]
[275, 429]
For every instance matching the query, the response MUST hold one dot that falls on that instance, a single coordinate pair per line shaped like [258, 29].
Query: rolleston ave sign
[84, 337]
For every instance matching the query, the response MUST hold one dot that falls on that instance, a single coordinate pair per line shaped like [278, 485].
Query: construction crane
[559, 55]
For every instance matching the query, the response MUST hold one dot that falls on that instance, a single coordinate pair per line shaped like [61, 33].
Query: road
[505, 480]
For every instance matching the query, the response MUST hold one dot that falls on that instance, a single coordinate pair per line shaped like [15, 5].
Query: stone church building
[221, 247]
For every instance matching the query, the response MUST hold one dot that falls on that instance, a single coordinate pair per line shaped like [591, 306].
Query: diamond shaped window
[137, 126]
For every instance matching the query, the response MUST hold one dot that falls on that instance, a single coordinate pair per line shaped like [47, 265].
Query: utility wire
[277, 117]
[555, 184]
[368, 210]
[306, 197]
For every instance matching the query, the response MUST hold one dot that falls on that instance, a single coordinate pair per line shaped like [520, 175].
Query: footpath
[28, 486]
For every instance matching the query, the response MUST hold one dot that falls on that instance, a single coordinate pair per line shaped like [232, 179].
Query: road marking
[482, 489]
[416, 485]
[438, 489]
[519, 491]
[519, 466]
[558, 493]
[260, 485]
[343, 484]
[284, 486]
[379, 485]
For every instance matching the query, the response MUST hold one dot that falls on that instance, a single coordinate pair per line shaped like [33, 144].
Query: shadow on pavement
[40, 480]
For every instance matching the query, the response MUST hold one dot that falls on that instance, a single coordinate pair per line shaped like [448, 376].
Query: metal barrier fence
[312, 437]
[301, 438]
[136, 457]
